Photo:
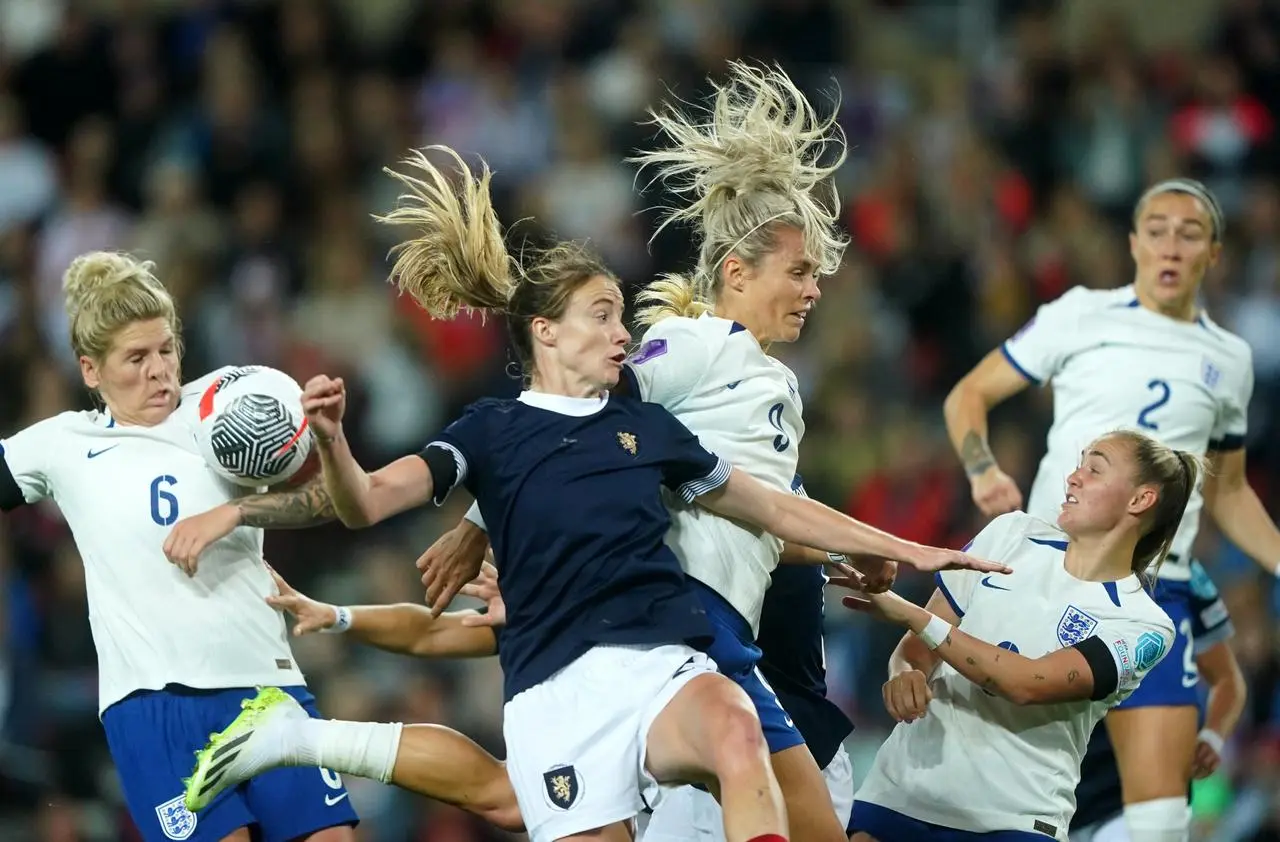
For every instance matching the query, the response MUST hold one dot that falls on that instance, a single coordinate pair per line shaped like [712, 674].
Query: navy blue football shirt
[790, 640]
[570, 489]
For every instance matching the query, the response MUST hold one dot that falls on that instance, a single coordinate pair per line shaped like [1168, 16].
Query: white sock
[363, 749]
[1161, 820]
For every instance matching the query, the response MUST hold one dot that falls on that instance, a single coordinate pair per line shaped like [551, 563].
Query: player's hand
[485, 586]
[192, 536]
[907, 696]
[933, 559]
[877, 574]
[995, 492]
[309, 615]
[451, 562]
[1206, 760]
[324, 400]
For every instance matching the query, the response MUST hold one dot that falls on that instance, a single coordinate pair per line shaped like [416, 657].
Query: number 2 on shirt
[1144, 417]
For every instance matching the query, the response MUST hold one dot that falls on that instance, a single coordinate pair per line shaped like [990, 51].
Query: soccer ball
[252, 431]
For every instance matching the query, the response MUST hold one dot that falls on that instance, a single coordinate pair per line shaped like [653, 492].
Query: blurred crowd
[996, 149]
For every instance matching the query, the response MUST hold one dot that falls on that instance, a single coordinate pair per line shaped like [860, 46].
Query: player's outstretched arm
[991, 382]
[359, 499]
[1237, 511]
[294, 508]
[876, 574]
[1077, 673]
[804, 521]
[1225, 703]
[404, 628]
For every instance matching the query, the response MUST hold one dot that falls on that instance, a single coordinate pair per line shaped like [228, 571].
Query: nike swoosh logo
[330, 800]
[685, 667]
[93, 454]
[732, 385]
[986, 583]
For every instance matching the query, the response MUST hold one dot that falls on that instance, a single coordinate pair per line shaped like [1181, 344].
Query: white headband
[1192, 188]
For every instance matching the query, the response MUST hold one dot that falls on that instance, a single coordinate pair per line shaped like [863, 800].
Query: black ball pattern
[252, 437]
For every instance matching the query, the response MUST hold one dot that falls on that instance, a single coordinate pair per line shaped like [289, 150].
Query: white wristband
[1213, 739]
[935, 631]
[343, 623]
[473, 515]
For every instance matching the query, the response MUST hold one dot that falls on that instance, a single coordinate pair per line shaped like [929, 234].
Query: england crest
[562, 786]
[1075, 626]
[176, 820]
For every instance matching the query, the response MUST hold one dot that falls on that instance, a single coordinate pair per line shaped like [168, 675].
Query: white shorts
[688, 814]
[839, 777]
[1112, 830]
[576, 742]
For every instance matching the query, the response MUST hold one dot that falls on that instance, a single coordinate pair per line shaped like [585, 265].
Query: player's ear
[1144, 499]
[543, 330]
[89, 371]
[733, 272]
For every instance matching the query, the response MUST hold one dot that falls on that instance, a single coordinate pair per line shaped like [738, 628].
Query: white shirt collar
[563, 404]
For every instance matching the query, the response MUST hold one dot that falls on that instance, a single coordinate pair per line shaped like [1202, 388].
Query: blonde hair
[1175, 474]
[751, 162]
[105, 292]
[458, 259]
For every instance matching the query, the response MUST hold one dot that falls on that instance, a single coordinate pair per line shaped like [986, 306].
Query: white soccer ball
[252, 431]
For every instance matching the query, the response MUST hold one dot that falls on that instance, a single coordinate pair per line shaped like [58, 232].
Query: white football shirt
[744, 406]
[121, 489]
[1114, 364]
[1023, 762]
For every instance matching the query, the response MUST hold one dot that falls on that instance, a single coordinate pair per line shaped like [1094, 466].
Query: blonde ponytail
[756, 158]
[457, 258]
[670, 295]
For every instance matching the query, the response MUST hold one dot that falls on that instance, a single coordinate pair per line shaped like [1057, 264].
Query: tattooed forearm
[307, 505]
[975, 454]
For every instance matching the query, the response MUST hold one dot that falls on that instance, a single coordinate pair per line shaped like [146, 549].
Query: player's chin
[157, 411]
[791, 328]
[611, 374]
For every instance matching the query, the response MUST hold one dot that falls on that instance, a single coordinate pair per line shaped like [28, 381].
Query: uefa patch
[1149, 651]
[176, 820]
[649, 350]
[1074, 626]
[562, 786]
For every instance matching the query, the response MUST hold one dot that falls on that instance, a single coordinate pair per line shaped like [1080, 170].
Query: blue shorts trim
[736, 655]
[153, 737]
[887, 825]
[1174, 681]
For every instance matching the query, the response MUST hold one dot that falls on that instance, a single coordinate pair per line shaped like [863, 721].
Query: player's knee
[737, 741]
[1161, 820]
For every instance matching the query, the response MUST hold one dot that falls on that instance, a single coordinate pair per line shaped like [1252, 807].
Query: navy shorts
[1200, 620]
[736, 655]
[887, 825]
[153, 737]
